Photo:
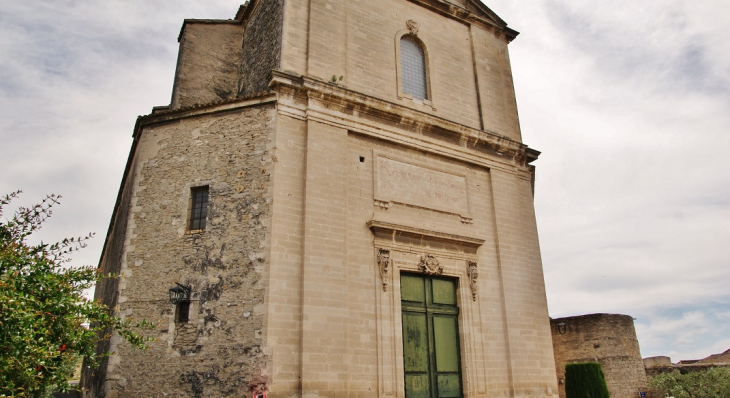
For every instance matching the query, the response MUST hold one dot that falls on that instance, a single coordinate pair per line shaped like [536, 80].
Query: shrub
[707, 383]
[585, 380]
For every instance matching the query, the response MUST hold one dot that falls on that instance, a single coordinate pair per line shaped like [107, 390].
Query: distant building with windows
[336, 202]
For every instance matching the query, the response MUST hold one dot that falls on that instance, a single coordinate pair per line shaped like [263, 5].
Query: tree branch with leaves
[46, 323]
[712, 382]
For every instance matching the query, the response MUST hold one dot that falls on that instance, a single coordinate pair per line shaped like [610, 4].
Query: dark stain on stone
[197, 380]
[210, 318]
[207, 261]
[191, 351]
[221, 93]
[212, 292]
[196, 384]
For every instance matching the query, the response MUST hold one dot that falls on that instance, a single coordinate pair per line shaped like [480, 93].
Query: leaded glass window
[413, 68]
[198, 208]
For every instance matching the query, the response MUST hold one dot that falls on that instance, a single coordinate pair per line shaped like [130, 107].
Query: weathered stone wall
[208, 63]
[219, 351]
[608, 339]
[261, 45]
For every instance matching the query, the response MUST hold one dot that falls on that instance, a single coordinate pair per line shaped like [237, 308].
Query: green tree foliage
[585, 380]
[44, 316]
[708, 383]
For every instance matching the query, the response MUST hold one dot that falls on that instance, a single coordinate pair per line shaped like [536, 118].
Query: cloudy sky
[628, 101]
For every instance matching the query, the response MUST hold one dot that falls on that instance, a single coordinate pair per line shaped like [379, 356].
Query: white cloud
[692, 334]
[628, 102]
[73, 77]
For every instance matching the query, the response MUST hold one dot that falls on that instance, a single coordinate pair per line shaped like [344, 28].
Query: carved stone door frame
[438, 253]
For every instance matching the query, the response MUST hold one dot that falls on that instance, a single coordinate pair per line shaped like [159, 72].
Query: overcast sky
[628, 101]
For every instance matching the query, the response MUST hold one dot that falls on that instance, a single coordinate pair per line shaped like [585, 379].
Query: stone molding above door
[401, 248]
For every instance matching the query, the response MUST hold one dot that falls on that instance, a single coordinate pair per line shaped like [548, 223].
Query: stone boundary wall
[657, 370]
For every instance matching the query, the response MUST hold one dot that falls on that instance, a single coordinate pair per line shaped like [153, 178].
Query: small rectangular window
[182, 312]
[198, 208]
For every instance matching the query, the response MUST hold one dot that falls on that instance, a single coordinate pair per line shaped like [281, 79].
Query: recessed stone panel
[421, 186]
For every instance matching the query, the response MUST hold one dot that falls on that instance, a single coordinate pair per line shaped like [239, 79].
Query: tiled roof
[716, 358]
[162, 110]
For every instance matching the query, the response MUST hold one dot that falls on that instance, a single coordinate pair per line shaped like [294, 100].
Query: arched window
[413, 68]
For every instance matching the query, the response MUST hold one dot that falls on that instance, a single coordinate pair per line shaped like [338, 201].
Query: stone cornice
[419, 235]
[303, 92]
[486, 18]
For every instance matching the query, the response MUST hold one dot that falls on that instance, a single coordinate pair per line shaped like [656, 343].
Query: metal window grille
[413, 68]
[198, 208]
[182, 312]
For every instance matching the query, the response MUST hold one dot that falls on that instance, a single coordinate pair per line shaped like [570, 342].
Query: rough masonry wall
[604, 338]
[218, 352]
[107, 290]
[261, 45]
[208, 64]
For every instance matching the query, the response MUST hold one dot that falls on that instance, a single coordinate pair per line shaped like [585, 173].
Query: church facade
[337, 202]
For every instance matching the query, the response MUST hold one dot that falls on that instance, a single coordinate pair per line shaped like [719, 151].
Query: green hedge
[585, 380]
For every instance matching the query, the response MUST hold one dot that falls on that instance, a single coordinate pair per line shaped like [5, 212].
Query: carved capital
[412, 26]
[384, 264]
[471, 270]
[430, 265]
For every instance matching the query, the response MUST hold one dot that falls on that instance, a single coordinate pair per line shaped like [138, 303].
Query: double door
[431, 352]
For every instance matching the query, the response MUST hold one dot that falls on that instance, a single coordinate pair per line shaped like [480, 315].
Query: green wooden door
[430, 337]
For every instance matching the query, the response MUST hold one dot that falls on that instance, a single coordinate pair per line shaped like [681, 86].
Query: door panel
[444, 335]
[412, 289]
[418, 386]
[449, 386]
[415, 343]
[444, 291]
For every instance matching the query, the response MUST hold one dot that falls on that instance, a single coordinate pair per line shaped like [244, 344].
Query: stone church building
[336, 203]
